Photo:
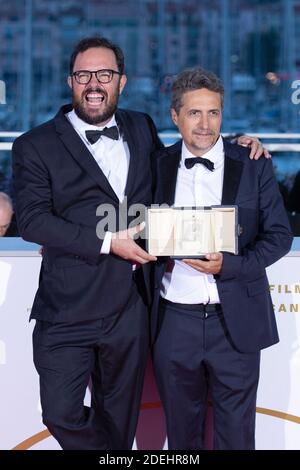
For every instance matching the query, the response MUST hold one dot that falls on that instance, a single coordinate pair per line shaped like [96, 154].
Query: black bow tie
[190, 162]
[111, 132]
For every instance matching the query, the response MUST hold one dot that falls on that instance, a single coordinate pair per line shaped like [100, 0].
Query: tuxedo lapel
[232, 174]
[168, 163]
[167, 173]
[126, 128]
[80, 153]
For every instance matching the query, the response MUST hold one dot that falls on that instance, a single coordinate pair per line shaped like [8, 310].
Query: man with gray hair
[211, 317]
[6, 213]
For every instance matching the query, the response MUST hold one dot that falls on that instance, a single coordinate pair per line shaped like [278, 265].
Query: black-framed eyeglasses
[83, 77]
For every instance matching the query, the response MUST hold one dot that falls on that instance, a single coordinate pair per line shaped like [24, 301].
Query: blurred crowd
[8, 224]
[291, 196]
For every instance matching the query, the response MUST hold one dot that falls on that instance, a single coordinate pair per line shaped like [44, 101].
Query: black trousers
[112, 352]
[193, 354]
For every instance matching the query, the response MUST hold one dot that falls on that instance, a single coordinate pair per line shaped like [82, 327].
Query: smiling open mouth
[94, 97]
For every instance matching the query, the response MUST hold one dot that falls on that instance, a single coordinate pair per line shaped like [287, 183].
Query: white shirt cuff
[105, 248]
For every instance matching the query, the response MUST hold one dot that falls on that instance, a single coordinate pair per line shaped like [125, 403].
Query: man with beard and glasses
[212, 317]
[91, 305]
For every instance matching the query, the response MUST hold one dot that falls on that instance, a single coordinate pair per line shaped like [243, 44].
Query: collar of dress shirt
[82, 126]
[215, 154]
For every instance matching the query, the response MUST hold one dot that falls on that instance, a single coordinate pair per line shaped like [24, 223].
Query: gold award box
[191, 232]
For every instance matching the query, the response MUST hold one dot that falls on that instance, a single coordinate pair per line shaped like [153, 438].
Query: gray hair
[194, 79]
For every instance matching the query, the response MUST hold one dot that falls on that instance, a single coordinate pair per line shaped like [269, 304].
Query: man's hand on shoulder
[123, 245]
[257, 149]
[213, 265]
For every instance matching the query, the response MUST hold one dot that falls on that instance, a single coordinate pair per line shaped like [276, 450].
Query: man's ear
[174, 116]
[70, 82]
[123, 81]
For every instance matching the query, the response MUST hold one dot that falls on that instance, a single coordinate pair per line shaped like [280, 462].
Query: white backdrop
[278, 413]
[279, 389]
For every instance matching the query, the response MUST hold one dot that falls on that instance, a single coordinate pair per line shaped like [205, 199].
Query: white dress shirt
[197, 186]
[112, 156]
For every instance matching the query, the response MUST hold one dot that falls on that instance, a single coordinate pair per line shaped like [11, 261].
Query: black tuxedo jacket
[242, 284]
[58, 187]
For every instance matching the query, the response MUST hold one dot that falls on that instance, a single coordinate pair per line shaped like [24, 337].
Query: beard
[95, 117]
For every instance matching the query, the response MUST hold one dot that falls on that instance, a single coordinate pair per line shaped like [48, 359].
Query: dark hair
[194, 79]
[97, 41]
